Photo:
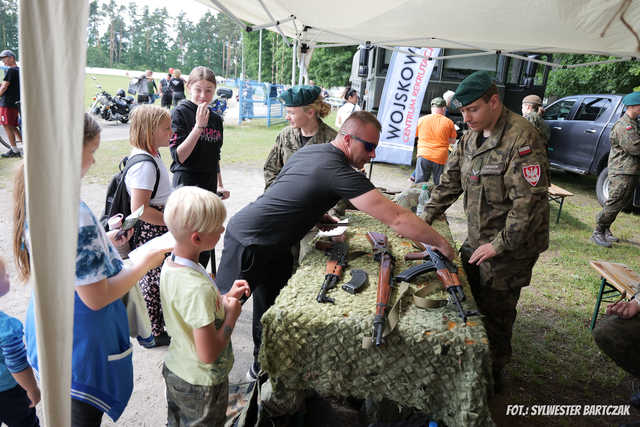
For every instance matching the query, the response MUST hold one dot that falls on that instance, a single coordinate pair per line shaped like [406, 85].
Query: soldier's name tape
[567, 410]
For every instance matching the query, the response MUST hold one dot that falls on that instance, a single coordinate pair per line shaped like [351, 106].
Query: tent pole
[293, 62]
[260, 57]
[273, 20]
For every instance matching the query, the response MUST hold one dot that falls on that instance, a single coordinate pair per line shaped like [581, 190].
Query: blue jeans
[425, 168]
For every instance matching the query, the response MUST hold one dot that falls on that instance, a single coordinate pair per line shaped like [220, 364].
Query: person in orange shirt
[435, 133]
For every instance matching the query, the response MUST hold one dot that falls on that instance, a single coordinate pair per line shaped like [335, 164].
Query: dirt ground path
[147, 406]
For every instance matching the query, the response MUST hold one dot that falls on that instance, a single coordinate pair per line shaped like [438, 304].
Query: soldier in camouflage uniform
[619, 337]
[501, 167]
[305, 109]
[624, 168]
[531, 110]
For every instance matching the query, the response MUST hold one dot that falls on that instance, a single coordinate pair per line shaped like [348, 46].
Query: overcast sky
[192, 8]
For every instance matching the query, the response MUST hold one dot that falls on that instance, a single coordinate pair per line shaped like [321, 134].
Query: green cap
[299, 96]
[439, 102]
[632, 99]
[472, 88]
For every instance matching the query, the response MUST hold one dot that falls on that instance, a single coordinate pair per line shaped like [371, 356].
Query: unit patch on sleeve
[531, 173]
[523, 151]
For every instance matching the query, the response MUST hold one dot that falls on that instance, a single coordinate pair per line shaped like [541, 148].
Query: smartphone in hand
[130, 221]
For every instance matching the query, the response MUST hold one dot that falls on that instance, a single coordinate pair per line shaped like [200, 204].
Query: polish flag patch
[531, 174]
[523, 151]
[629, 127]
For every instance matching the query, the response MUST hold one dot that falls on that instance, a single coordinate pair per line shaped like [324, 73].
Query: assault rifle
[447, 272]
[381, 254]
[335, 266]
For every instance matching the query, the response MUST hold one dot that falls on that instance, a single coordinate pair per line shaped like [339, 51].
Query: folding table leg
[561, 202]
[598, 301]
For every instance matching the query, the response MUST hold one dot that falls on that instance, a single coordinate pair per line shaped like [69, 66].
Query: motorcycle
[219, 105]
[112, 108]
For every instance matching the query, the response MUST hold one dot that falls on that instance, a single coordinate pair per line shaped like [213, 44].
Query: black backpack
[118, 199]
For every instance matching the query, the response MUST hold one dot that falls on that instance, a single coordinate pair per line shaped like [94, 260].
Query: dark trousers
[425, 168]
[14, 408]
[143, 99]
[84, 415]
[266, 268]
[165, 100]
[621, 189]
[496, 291]
[208, 182]
[620, 339]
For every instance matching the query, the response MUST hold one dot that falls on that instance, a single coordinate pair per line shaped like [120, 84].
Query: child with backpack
[101, 366]
[19, 392]
[199, 319]
[197, 140]
[148, 184]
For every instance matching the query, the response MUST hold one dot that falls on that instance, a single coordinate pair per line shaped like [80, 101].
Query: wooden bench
[618, 279]
[558, 194]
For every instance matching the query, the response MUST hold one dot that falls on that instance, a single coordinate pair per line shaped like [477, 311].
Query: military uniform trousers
[266, 268]
[620, 340]
[620, 192]
[496, 292]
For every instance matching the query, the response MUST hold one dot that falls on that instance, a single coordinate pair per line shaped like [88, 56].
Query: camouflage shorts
[195, 405]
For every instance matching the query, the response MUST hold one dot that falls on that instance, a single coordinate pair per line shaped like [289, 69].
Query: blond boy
[198, 318]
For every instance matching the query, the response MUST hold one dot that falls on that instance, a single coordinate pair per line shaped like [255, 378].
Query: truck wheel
[602, 186]
[602, 190]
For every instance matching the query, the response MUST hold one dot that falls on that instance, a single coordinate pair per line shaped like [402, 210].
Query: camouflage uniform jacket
[288, 141]
[624, 157]
[536, 120]
[505, 183]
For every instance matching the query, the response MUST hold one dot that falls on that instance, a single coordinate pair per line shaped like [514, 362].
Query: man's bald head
[358, 119]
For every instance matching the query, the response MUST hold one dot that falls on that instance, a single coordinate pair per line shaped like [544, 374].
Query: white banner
[400, 103]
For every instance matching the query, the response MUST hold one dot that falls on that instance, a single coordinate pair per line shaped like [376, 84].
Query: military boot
[599, 238]
[610, 237]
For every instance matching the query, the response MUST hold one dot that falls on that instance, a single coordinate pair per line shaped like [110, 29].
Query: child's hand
[222, 193]
[232, 306]
[239, 288]
[34, 397]
[122, 239]
[155, 258]
[202, 115]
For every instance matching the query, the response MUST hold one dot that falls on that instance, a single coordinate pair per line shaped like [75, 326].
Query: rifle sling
[419, 299]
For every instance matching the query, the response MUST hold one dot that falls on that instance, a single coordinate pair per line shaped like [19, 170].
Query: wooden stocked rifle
[335, 267]
[381, 254]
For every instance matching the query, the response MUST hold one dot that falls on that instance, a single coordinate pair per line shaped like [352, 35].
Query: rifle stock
[381, 253]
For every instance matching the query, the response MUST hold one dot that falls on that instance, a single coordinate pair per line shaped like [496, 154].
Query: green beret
[299, 96]
[472, 88]
[632, 99]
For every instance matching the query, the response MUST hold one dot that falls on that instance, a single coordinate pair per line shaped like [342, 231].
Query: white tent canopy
[602, 27]
[53, 37]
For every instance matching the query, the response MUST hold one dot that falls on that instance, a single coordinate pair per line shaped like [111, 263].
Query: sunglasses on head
[368, 146]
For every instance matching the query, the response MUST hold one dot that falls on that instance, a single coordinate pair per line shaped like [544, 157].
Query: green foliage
[619, 77]
[9, 25]
[331, 66]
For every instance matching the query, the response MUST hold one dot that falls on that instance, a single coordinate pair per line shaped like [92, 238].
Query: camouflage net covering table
[432, 361]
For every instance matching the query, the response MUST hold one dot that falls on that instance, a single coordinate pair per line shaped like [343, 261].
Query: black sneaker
[10, 154]
[158, 341]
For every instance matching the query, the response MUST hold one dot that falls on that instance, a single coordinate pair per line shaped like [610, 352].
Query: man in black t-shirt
[257, 240]
[9, 102]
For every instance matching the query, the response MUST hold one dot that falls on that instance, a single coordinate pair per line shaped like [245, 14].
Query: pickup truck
[579, 143]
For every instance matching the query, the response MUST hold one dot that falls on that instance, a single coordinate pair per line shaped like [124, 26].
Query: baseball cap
[6, 53]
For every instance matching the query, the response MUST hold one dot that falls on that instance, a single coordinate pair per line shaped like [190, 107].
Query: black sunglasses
[368, 146]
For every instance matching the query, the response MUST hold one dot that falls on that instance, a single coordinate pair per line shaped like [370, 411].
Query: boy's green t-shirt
[190, 301]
